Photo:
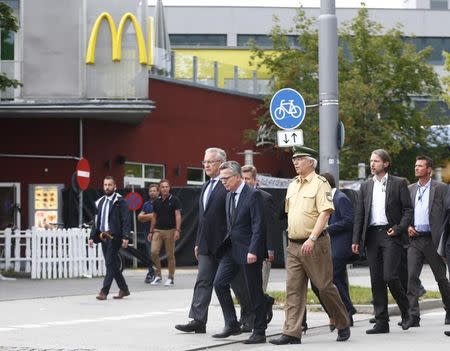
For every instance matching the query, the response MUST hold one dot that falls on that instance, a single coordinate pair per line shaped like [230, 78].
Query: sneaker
[169, 282]
[156, 281]
[149, 278]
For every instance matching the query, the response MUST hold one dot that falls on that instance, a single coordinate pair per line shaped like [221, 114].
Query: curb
[393, 309]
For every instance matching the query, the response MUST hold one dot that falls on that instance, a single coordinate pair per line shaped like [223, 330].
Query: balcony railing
[215, 74]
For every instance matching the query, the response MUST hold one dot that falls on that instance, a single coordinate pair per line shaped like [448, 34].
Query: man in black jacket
[238, 285]
[382, 216]
[212, 227]
[112, 228]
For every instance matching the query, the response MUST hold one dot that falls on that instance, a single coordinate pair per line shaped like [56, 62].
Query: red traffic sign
[83, 174]
[134, 201]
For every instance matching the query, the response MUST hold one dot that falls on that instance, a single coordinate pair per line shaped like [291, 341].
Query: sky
[290, 3]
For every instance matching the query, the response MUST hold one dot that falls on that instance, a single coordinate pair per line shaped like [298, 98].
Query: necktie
[210, 189]
[105, 209]
[232, 206]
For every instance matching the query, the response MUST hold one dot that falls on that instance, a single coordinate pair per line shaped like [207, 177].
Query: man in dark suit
[243, 249]
[212, 227]
[112, 227]
[428, 199]
[340, 229]
[382, 217]
[238, 285]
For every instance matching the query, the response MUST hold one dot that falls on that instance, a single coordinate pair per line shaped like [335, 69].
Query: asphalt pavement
[64, 315]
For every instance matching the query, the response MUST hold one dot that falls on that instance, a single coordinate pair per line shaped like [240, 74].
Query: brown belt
[302, 241]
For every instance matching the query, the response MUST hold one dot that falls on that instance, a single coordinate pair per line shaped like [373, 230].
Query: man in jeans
[145, 216]
[165, 228]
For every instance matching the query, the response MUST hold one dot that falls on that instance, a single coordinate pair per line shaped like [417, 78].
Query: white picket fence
[51, 254]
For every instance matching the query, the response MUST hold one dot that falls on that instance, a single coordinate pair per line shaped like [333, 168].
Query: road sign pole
[80, 195]
[328, 89]
[135, 262]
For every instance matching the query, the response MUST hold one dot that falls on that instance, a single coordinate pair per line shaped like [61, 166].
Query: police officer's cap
[300, 151]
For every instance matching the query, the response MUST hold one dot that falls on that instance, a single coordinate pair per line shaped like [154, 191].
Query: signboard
[287, 138]
[83, 174]
[134, 201]
[45, 205]
[287, 108]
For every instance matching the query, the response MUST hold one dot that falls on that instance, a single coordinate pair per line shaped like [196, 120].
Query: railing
[215, 74]
[50, 254]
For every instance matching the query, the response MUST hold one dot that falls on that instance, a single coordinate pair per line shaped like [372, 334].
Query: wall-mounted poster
[45, 205]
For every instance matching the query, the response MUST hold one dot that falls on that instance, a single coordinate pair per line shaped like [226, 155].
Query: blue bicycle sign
[287, 108]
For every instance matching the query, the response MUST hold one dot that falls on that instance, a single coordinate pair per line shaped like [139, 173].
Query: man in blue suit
[242, 249]
[340, 229]
[112, 227]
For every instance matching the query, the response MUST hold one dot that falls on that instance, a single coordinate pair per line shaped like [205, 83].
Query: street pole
[328, 89]
[80, 194]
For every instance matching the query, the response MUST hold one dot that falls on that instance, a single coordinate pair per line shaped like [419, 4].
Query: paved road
[64, 315]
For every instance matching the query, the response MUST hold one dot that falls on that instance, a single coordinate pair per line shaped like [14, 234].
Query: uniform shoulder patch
[323, 179]
[329, 196]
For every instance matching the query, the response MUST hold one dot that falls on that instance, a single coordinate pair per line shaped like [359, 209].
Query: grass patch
[358, 294]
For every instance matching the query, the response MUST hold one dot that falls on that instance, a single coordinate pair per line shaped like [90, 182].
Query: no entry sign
[134, 201]
[83, 174]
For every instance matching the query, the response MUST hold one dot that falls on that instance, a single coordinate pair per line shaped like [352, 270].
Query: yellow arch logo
[116, 37]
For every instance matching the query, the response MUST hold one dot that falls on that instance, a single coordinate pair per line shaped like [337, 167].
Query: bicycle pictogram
[287, 108]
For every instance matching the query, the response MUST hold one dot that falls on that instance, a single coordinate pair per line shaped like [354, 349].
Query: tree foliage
[8, 23]
[379, 76]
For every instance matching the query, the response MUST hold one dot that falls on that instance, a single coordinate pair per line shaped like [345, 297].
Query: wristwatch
[313, 238]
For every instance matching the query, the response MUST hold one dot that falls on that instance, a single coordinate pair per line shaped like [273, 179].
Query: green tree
[8, 23]
[379, 74]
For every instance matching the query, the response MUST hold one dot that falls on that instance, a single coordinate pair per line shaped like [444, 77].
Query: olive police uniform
[306, 198]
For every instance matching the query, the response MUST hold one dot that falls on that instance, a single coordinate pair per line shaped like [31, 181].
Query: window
[142, 175]
[439, 4]
[7, 45]
[195, 176]
[262, 40]
[198, 39]
[438, 44]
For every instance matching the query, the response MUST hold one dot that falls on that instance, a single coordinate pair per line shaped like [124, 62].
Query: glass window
[439, 4]
[438, 44]
[198, 39]
[142, 174]
[195, 176]
[262, 40]
[7, 45]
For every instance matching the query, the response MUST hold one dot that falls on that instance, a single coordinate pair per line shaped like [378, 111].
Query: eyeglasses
[209, 162]
[298, 158]
[225, 179]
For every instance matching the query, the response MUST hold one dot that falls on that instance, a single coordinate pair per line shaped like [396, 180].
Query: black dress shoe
[413, 321]
[378, 329]
[245, 328]
[447, 317]
[404, 320]
[447, 333]
[343, 334]
[234, 329]
[193, 326]
[285, 340]
[255, 339]
[269, 308]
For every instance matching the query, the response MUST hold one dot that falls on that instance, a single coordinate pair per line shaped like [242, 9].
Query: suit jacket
[269, 216]
[340, 226]
[398, 209]
[445, 228]
[119, 219]
[212, 221]
[436, 207]
[246, 230]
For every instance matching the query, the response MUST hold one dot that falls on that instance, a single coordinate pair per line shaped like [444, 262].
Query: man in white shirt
[428, 199]
[382, 216]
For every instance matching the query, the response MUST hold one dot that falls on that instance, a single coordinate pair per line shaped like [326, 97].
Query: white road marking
[82, 321]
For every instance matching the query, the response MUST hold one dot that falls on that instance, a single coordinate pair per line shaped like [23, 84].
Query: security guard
[309, 205]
